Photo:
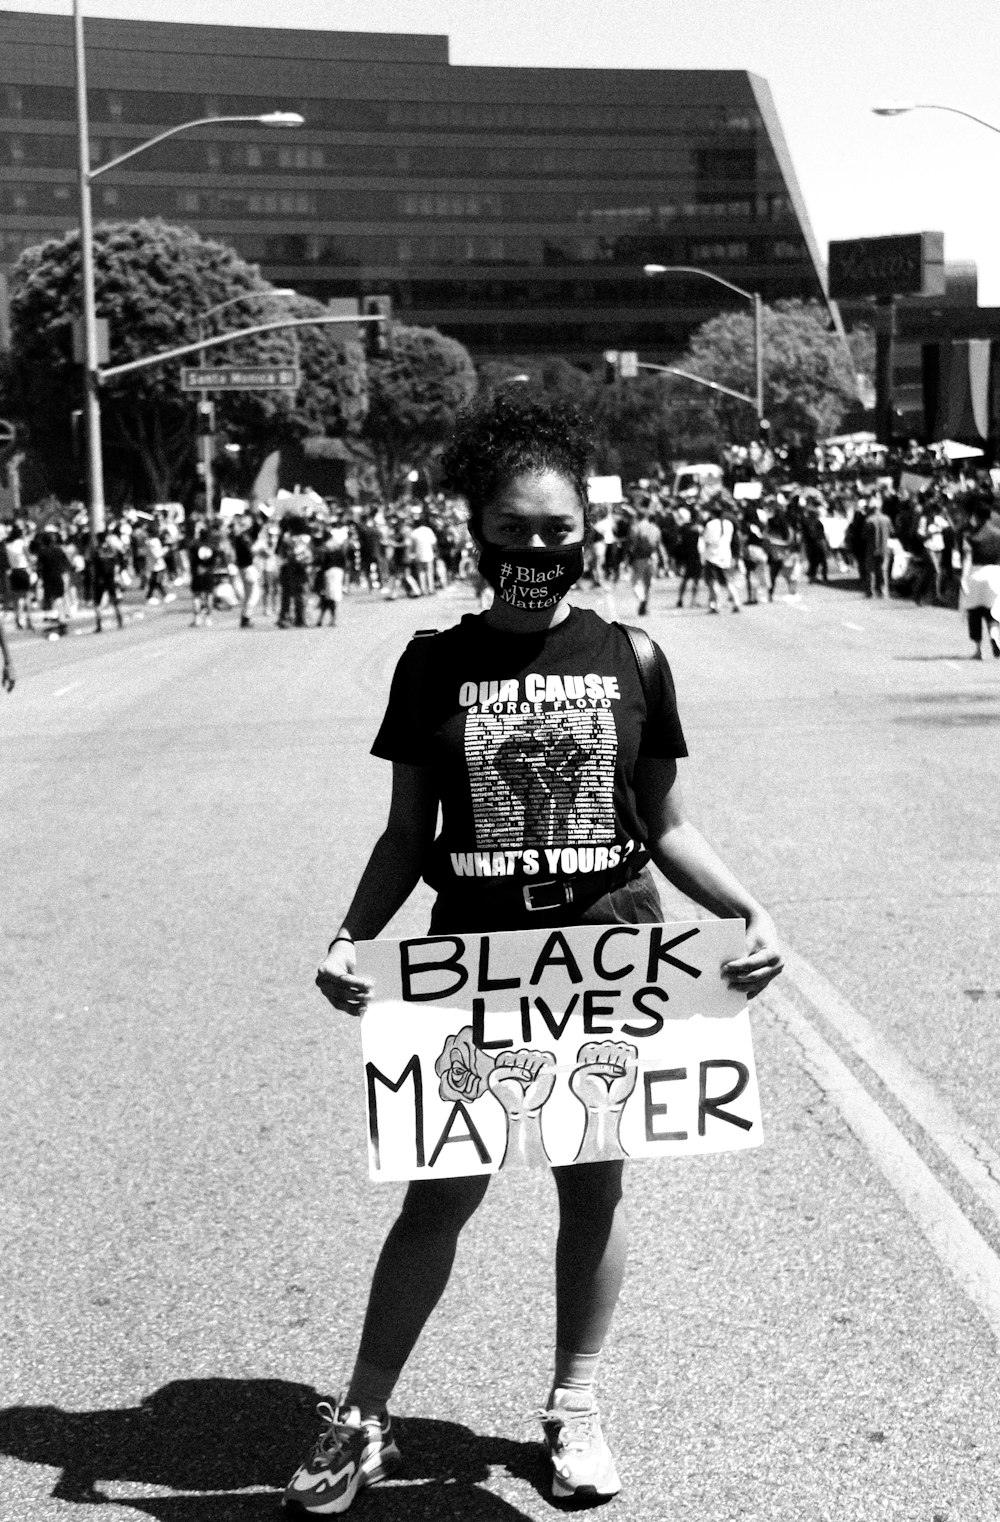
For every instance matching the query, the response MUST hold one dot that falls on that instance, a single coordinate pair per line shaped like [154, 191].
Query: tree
[809, 379]
[153, 281]
[415, 390]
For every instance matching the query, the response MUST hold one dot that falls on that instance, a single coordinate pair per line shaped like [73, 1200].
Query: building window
[109, 196]
[188, 200]
[404, 250]
[20, 200]
[114, 104]
[15, 101]
[719, 253]
[255, 157]
[61, 192]
[213, 155]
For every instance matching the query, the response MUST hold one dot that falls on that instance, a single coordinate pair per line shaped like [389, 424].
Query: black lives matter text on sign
[542, 1047]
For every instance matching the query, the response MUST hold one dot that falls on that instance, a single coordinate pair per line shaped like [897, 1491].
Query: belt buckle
[563, 894]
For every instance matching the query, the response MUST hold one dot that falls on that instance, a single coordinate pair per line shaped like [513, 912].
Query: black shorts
[635, 903]
[20, 582]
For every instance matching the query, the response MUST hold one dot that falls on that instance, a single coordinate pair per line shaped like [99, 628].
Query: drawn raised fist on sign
[602, 1081]
[522, 1082]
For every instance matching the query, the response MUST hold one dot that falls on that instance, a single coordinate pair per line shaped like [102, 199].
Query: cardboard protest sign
[532, 1047]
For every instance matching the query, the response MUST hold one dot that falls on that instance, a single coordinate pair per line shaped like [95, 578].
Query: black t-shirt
[532, 740]
[985, 542]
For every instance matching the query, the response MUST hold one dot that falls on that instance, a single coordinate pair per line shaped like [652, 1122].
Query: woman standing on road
[521, 465]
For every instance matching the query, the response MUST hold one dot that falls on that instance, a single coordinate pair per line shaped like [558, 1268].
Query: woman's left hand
[763, 961]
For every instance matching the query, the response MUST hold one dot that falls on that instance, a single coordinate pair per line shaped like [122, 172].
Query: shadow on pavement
[220, 1436]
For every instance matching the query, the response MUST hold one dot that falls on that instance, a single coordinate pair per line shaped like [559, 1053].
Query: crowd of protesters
[745, 543]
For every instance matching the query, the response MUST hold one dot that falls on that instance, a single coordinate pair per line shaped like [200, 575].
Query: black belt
[544, 896]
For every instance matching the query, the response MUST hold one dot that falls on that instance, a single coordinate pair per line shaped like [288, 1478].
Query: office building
[512, 208]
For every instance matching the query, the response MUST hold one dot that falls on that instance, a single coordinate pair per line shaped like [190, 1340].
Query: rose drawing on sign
[602, 1081]
[463, 1068]
[522, 1081]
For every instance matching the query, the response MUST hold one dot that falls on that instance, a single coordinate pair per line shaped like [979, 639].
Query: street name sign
[241, 378]
[907, 264]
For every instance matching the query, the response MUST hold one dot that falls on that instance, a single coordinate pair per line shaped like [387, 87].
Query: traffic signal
[206, 419]
[620, 364]
[377, 333]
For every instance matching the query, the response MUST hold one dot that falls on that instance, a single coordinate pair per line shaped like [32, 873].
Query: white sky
[827, 62]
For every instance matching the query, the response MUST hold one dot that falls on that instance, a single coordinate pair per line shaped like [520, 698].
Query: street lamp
[758, 323]
[900, 108]
[86, 176]
[206, 437]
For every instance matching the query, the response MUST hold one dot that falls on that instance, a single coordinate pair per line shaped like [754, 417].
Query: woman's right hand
[337, 979]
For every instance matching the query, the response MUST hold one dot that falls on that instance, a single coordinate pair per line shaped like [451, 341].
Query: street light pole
[758, 317]
[900, 108]
[91, 356]
[91, 361]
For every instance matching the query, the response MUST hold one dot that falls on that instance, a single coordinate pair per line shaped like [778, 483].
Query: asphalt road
[808, 1331]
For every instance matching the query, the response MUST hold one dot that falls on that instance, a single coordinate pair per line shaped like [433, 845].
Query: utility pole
[91, 360]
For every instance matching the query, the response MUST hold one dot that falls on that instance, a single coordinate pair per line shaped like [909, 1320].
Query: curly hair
[511, 433]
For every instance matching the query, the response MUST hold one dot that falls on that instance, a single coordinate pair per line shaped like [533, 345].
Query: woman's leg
[590, 1267]
[409, 1280]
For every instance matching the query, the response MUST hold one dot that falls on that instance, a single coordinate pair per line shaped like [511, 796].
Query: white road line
[856, 627]
[969, 1154]
[958, 1245]
[61, 692]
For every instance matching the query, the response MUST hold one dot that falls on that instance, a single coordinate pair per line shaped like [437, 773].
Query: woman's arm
[393, 871]
[687, 861]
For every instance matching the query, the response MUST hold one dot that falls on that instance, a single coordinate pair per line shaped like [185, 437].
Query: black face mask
[531, 579]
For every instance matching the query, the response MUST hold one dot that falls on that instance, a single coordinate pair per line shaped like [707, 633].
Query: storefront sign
[908, 264]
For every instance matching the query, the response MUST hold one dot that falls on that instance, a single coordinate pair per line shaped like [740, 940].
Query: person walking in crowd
[106, 565]
[929, 546]
[781, 546]
[425, 552]
[20, 574]
[54, 570]
[156, 568]
[330, 579]
[981, 576]
[876, 532]
[296, 545]
[718, 546]
[203, 555]
[754, 556]
[689, 558]
[247, 567]
[815, 543]
[521, 465]
[642, 551]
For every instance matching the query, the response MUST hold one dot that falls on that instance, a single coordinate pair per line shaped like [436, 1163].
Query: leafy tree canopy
[809, 375]
[154, 283]
[414, 391]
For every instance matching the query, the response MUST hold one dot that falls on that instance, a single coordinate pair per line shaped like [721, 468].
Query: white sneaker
[582, 1462]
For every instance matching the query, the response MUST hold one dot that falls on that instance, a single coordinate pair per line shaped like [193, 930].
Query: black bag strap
[645, 658]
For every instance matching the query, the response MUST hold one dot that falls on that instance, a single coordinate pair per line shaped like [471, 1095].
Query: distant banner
[540, 1047]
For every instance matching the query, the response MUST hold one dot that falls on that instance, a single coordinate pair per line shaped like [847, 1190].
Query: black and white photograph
[499, 760]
